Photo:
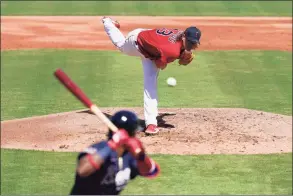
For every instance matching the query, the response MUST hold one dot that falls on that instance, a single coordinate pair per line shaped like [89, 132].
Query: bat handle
[98, 112]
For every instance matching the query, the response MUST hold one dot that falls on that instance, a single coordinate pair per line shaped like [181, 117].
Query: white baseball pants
[128, 46]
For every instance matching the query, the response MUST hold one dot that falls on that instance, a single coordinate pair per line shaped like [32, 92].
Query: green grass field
[214, 79]
[23, 172]
[260, 80]
[217, 79]
[152, 8]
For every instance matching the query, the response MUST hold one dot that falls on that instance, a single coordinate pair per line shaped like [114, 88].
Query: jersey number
[164, 32]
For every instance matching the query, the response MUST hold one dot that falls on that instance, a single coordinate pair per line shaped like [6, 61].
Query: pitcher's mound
[183, 131]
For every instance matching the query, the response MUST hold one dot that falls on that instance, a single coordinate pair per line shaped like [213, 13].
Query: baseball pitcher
[156, 48]
[106, 167]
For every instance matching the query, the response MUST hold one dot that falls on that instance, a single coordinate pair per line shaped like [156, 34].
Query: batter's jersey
[161, 45]
[110, 179]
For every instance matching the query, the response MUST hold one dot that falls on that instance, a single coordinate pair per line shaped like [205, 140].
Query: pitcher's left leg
[150, 72]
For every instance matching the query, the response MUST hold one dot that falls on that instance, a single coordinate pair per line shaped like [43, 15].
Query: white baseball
[171, 81]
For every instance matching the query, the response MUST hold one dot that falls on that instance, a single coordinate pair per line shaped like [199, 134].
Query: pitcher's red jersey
[160, 45]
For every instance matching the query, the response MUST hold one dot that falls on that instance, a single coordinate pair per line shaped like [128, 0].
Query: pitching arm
[161, 63]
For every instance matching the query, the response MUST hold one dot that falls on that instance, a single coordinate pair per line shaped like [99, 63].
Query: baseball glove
[186, 57]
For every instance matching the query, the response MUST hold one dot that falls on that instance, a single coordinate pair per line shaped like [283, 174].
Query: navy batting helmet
[125, 120]
[193, 34]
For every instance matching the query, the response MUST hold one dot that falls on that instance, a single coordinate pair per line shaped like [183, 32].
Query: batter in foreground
[106, 167]
[156, 48]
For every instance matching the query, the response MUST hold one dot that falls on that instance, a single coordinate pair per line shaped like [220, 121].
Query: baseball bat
[80, 95]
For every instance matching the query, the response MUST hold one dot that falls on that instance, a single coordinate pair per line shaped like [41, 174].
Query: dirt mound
[183, 131]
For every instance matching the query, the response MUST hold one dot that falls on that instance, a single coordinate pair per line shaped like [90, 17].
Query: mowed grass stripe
[259, 78]
[250, 79]
[152, 8]
[32, 84]
[37, 172]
